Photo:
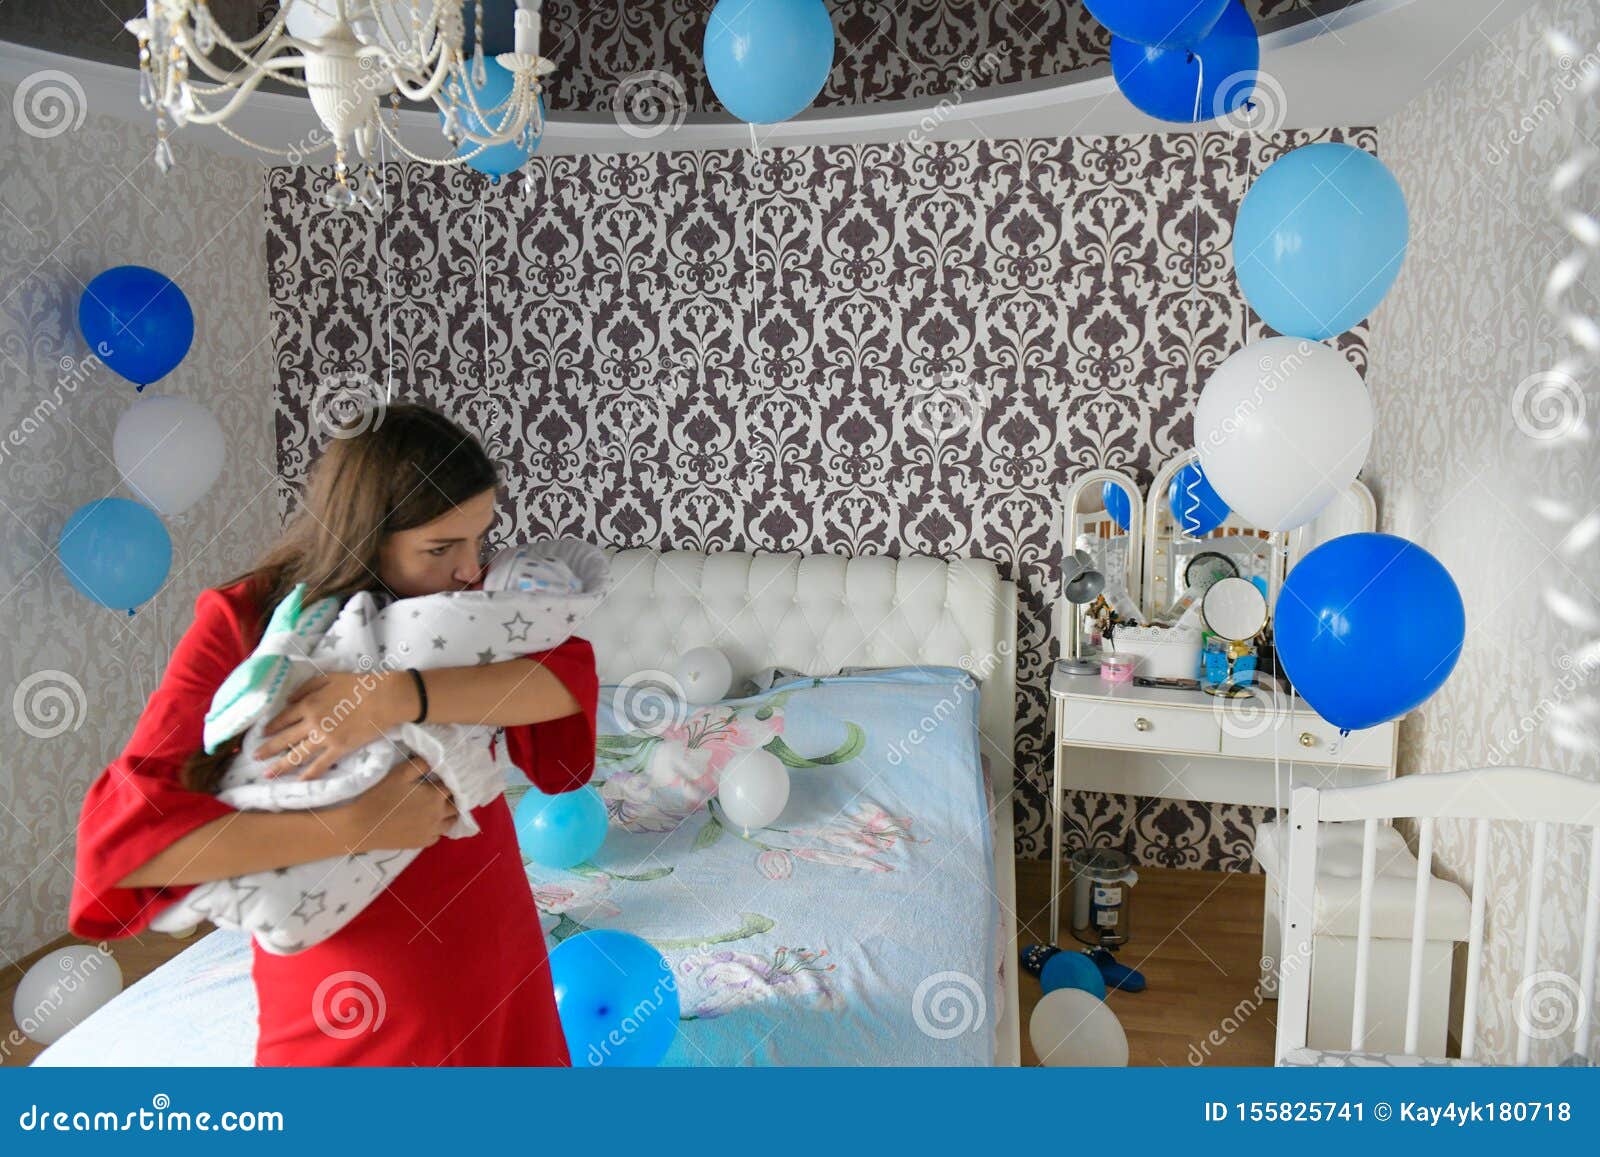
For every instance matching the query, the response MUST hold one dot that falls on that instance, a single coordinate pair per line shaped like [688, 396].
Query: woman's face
[442, 555]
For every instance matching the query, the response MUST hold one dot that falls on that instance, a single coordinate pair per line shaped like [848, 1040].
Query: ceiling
[629, 74]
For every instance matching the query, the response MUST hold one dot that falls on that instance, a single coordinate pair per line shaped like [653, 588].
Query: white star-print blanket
[533, 598]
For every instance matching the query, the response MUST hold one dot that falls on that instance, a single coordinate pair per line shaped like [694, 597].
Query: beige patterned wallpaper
[79, 193]
[1487, 460]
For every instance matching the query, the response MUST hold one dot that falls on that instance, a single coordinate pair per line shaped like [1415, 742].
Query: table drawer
[1089, 721]
[1250, 731]
[1314, 740]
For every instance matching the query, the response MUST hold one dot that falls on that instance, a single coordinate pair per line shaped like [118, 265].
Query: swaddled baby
[533, 598]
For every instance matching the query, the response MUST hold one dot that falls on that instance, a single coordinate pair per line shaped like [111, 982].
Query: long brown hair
[411, 466]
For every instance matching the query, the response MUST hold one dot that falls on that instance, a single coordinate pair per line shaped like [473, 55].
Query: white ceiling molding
[1353, 67]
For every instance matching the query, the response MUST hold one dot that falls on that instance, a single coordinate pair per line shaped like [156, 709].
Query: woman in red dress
[448, 964]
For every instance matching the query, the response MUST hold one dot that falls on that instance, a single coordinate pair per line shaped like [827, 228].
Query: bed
[874, 924]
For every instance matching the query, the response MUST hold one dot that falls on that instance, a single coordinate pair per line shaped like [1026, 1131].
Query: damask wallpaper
[873, 349]
[1484, 454]
[78, 194]
[888, 51]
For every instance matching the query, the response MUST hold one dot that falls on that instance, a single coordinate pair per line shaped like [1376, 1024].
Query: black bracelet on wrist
[422, 694]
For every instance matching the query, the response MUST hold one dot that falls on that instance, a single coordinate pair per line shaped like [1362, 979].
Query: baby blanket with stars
[533, 598]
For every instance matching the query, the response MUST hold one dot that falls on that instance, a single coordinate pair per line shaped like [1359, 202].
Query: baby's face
[442, 555]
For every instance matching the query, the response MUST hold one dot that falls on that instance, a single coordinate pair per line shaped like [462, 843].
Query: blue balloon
[137, 321]
[617, 999]
[1209, 78]
[767, 59]
[1070, 969]
[1158, 23]
[495, 160]
[1195, 506]
[562, 830]
[1117, 503]
[1368, 626]
[1319, 239]
[116, 552]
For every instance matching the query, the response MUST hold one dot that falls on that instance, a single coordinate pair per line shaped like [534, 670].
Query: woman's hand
[402, 810]
[332, 715]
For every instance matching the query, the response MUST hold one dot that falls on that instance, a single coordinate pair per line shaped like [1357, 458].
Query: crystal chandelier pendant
[163, 149]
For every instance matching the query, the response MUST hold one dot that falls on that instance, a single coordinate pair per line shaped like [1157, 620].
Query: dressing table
[1125, 739]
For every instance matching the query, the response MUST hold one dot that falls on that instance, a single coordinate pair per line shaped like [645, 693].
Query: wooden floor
[137, 956]
[1196, 937]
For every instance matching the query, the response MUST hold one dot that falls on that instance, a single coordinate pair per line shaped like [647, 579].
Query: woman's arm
[333, 715]
[401, 811]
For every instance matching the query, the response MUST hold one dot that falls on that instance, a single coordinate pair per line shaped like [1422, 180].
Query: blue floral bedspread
[860, 928]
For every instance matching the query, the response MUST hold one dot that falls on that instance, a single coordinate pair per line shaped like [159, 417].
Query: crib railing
[1516, 794]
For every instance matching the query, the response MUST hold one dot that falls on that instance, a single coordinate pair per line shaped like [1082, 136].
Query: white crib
[1520, 794]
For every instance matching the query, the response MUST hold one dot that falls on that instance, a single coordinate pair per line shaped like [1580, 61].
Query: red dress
[449, 959]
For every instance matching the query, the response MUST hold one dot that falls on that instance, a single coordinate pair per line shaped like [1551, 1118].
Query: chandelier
[348, 55]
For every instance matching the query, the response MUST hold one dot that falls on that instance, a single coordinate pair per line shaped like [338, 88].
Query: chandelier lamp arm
[439, 162]
[239, 93]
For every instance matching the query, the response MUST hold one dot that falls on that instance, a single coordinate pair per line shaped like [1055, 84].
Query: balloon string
[483, 291]
[1199, 91]
[388, 273]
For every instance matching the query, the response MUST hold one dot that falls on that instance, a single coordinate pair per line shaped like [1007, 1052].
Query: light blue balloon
[563, 830]
[768, 59]
[116, 552]
[1319, 239]
[617, 999]
[496, 160]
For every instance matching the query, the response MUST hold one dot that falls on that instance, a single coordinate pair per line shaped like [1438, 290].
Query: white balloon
[170, 451]
[704, 674]
[62, 989]
[392, 16]
[754, 789]
[1282, 428]
[1071, 1028]
[311, 19]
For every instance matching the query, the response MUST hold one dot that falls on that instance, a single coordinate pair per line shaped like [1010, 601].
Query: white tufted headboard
[817, 614]
[820, 613]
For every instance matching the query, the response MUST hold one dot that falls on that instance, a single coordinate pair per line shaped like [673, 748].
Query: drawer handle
[1141, 724]
[1307, 739]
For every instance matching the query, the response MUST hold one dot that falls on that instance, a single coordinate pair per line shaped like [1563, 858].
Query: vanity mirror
[1102, 521]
